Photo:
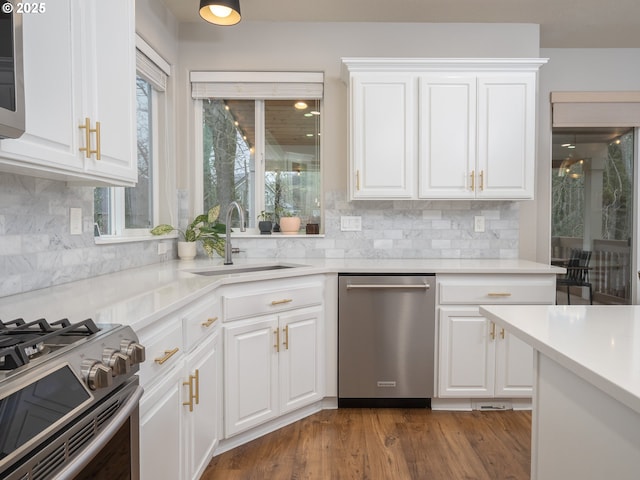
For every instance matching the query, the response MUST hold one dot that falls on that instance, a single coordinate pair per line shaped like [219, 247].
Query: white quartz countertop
[600, 344]
[138, 296]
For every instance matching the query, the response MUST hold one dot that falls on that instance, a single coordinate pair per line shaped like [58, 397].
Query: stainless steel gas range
[69, 398]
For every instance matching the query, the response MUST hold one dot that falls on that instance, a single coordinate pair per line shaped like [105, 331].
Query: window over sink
[260, 142]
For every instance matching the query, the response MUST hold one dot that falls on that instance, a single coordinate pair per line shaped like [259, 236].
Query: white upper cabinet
[383, 126]
[474, 136]
[79, 64]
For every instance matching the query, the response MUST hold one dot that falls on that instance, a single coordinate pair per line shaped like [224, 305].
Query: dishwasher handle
[424, 286]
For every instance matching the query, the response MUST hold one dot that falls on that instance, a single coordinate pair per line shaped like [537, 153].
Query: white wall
[568, 70]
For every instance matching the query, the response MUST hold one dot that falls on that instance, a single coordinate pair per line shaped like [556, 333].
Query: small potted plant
[204, 228]
[264, 223]
[289, 223]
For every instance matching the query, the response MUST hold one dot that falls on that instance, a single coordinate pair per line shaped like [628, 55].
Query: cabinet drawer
[163, 350]
[271, 301]
[497, 289]
[200, 322]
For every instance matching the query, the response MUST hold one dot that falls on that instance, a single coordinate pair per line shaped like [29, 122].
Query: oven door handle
[103, 437]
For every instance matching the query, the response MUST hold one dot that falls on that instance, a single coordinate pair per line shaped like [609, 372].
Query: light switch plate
[75, 221]
[478, 224]
[350, 224]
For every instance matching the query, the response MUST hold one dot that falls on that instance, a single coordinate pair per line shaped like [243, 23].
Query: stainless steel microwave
[11, 72]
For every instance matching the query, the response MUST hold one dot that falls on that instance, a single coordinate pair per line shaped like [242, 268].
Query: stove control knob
[98, 375]
[118, 361]
[133, 350]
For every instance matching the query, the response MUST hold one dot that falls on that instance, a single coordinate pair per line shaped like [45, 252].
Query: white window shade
[257, 85]
[151, 66]
[596, 109]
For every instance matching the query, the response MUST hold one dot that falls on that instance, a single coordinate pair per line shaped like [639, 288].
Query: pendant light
[220, 12]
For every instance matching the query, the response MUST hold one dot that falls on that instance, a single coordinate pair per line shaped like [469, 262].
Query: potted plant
[289, 223]
[264, 223]
[204, 228]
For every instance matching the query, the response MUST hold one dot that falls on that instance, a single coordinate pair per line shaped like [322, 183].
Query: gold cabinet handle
[498, 294]
[167, 355]
[473, 180]
[502, 333]
[492, 333]
[280, 302]
[97, 132]
[286, 337]
[357, 180]
[481, 180]
[209, 322]
[189, 403]
[197, 379]
[277, 344]
[87, 138]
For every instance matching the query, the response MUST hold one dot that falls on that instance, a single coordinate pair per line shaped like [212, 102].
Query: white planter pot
[290, 225]
[187, 250]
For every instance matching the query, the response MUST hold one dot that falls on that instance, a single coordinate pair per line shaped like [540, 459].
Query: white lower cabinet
[161, 427]
[477, 359]
[201, 406]
[181, 409]
[273, 365]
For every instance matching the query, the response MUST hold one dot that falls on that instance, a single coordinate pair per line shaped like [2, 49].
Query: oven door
[99, 445]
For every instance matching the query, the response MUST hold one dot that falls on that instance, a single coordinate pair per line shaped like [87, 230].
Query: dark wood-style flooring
[386, 444]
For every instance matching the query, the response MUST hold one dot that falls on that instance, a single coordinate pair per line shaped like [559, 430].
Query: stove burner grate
[20, 340]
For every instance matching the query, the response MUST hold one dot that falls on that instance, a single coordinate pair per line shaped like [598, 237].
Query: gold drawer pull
[481, 180]
[209, 322]
[280, 302]
[473, 180]
[492, 333]
[167, 355]
[498, 294]
[357, 180]
[502, 333]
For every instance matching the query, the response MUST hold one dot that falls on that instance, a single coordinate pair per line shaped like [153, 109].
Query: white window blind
[257, 85]
[151, 66]
[596, 109]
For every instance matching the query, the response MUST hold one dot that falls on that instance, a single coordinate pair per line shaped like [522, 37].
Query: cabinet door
[202, 421]
[467, 354]
[383, 136]
[447, 154]
[110, 76]
[514, 366]
[250, 373]
[300, 359]
[506, 135]
[161, 428]
[51, 76]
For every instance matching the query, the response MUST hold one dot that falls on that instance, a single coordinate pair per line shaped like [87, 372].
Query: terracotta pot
[290, 225]
[187, 250]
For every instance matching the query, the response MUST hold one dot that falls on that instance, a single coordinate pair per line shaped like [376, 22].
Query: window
[264, 151]
[130, 211]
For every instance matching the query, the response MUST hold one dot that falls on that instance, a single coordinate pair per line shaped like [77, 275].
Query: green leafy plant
[204, 228]
[265, 216]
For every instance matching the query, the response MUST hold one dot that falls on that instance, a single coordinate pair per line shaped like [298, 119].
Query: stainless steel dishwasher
[386, 329]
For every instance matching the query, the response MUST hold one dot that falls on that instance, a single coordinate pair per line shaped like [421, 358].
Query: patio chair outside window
[577, 273]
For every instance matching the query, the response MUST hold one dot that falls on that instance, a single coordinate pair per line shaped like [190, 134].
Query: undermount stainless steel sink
[231, 269]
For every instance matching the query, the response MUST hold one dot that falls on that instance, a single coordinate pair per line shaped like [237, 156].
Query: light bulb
[220, 11]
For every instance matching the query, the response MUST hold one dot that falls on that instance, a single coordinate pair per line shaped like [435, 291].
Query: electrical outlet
[350, 224]
[162, 248]
[478, 224]
[75, 221]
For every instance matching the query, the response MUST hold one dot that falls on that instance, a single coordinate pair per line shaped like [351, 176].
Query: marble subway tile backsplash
[36, 247]
[37, 250]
